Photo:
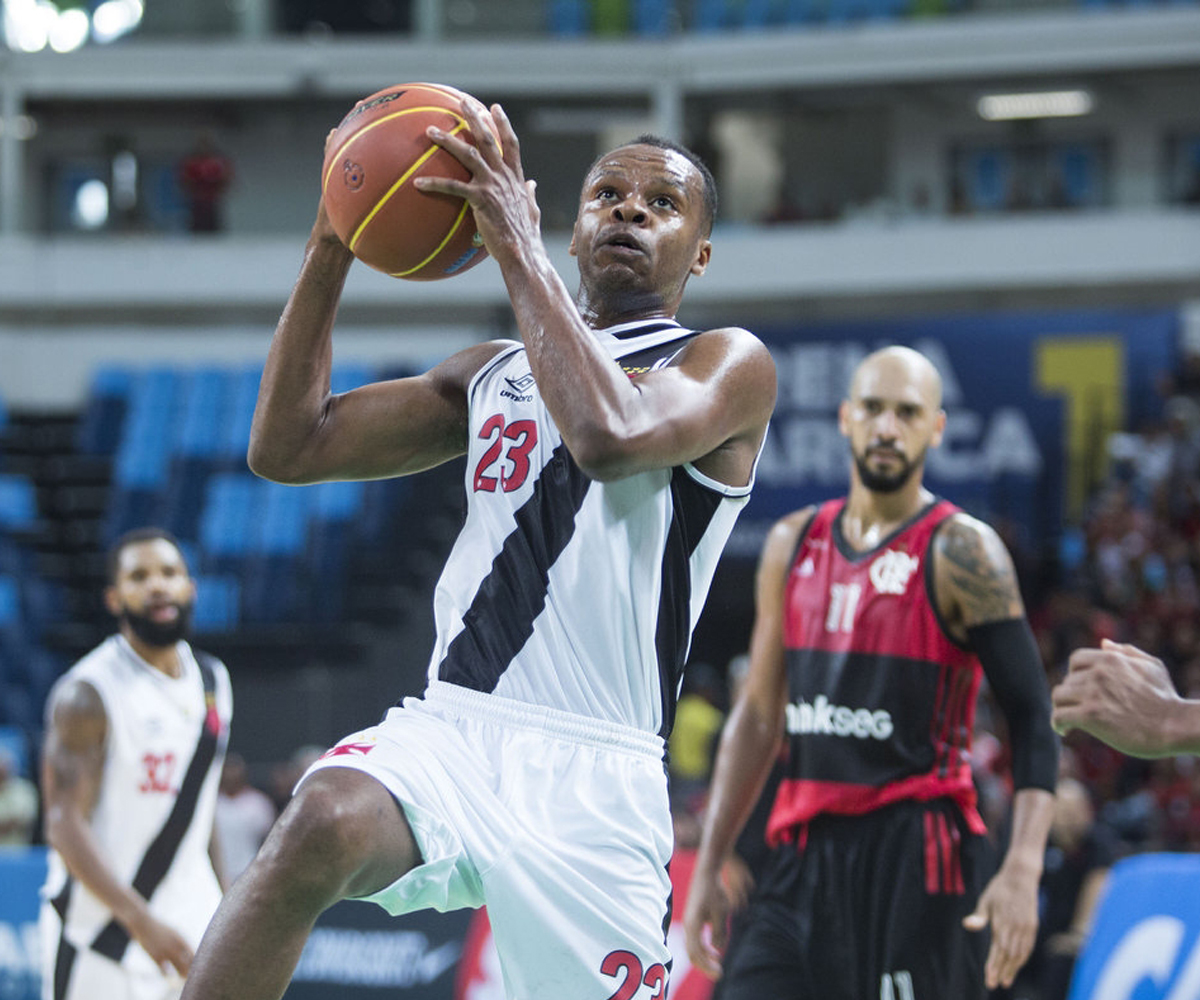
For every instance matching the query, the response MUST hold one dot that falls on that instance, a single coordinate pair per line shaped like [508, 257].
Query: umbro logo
[519, 388]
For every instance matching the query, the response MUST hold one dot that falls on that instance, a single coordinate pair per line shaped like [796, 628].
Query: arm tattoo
[980, 574]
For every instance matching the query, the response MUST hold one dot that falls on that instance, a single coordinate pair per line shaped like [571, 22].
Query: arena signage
[1030, 400]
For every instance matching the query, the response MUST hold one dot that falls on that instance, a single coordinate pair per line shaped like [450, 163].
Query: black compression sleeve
[1014, 670]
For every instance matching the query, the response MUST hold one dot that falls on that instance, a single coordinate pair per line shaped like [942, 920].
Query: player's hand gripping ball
[370, 162]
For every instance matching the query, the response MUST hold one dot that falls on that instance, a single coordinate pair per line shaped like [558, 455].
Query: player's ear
[844, 417]
[939, 429]
[112, 601]
[703, 254]
[571, 249]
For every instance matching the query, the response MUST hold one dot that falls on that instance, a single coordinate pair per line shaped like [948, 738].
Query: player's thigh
[562, 933]
[942, 960]
[580, 903]
[926, 953]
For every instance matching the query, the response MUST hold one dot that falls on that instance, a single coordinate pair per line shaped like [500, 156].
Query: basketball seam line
[441, 246]
[381, 121]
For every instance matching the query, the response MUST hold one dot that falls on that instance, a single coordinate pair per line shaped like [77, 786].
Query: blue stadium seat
[218, 600]
[652, 17]
[227, 520]
[19, 708]
[10, 602]
[337, 501]
[235, 436]
[199, 441]
[841, 11]
[1079, 168]
[143, 459]
[18, 503]
[568, 18]
[130, 508]
[281, 528]
[12, 739]
[803, 11]
[38, 672]
[43, 601]
[108, 396]
[989, 173]
[146, 437]
[758, 14]
[153, 396]
[711, 15]
[345, 377]
[204, 412]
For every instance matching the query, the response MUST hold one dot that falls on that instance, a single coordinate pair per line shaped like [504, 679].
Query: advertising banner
[22, 872]
[1030, 400]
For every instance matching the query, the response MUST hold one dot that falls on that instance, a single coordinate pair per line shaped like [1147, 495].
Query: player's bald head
[896, 365]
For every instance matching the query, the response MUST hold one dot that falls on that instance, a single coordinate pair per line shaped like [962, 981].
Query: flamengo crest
[891, 572]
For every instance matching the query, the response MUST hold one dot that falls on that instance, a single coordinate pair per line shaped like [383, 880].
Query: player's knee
[322, 835]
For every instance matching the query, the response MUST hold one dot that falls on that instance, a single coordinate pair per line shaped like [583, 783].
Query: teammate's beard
[887, 482]
[154, 633]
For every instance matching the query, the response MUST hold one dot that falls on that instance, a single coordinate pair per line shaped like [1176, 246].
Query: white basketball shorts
[558, 823]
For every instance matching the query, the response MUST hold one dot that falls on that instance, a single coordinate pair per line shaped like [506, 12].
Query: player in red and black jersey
[878, 615]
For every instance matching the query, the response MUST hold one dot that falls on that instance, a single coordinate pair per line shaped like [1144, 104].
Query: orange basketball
[370, 162]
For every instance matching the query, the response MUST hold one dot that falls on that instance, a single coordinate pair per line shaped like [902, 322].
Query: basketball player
[135, 738]
[877, 615]
[1126, 698]
[608, 454]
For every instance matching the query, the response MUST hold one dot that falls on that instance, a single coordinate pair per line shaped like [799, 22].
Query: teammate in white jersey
[135, 738]
[607, 455]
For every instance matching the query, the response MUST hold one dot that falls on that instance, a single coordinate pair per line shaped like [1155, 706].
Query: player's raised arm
[644, 214]
[303, 433]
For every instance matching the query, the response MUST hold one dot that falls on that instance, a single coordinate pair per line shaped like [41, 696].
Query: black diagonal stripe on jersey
[692, 510]
[64, 965]
[63, 900]
[64, 956]
[500, 619]
[112, 941]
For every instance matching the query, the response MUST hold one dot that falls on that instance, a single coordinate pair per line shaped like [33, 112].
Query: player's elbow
[264, 464]
[603, 458]
[271, 464]
[57, 823]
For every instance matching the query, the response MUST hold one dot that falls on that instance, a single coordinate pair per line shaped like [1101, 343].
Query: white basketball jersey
[566, 592]
[154, 816]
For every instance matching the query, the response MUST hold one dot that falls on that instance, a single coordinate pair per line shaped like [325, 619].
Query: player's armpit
[974, 579]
